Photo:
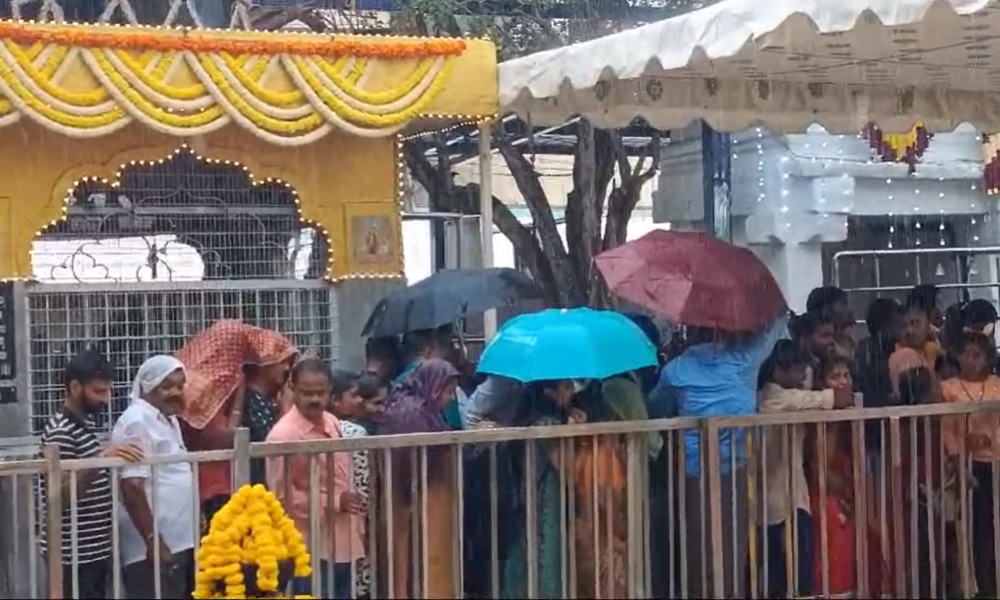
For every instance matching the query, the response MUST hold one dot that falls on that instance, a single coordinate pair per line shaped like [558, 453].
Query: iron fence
[615, 515]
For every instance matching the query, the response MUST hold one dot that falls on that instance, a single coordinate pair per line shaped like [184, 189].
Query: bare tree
[606, 183]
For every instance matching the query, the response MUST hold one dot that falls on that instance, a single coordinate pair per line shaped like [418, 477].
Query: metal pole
[241, 458]
[53, 520]
[486, 215]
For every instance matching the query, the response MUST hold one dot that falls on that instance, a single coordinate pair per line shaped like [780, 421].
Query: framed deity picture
[373, 231]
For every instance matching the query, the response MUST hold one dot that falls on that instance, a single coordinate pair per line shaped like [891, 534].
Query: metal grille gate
[151, 258]
[131, 322]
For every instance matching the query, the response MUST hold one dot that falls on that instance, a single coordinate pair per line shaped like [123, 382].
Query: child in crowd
[976, 436]
[915, 348]
[837, 507]
[786, 493]
[936, 501]
[357, 400]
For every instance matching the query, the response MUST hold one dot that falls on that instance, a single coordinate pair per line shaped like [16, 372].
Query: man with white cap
[163, 495]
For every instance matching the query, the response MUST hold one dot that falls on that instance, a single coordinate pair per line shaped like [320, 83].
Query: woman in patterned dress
[358, 401]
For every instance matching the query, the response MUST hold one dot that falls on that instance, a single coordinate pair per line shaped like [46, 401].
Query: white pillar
[486, 214]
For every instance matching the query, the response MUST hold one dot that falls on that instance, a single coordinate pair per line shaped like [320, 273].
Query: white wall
[793, 194]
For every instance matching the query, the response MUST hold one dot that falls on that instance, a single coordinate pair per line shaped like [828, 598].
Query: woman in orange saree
[601, 518]
[600, 476]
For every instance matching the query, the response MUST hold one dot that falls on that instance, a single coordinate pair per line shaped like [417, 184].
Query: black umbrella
[446, 297]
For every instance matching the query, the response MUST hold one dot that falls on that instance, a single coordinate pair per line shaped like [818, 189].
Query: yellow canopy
[87, 81]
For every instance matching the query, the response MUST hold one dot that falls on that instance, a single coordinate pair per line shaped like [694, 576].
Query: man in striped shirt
[87, 378]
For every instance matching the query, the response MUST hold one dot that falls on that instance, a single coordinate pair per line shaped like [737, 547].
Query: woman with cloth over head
[415, 406]
[236, 372]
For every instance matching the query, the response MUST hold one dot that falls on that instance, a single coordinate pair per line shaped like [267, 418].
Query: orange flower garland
[177, 40]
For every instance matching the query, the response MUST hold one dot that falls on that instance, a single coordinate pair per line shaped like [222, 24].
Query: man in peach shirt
[341, 543]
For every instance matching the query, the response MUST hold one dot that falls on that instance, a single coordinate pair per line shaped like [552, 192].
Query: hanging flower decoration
[286, 90]
[991, 164]
[898, 147]
[228, 88]
[250, 533]
[112, 37]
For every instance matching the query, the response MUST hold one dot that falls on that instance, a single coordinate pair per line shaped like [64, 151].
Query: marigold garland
[43, 77]
[282, 99]
[252, 529]
[373, 119]
[307, 123]
[157, 114]
[155, 80]
[168, 40]
[227, 87]
[56, 116]
[382, 97]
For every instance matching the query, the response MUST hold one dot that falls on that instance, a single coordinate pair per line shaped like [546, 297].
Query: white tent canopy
[784, 63]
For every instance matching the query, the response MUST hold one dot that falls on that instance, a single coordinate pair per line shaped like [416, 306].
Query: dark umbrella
[446, 297]
[692, 278]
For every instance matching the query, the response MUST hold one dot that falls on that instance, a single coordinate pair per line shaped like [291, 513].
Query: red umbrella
[692, 278]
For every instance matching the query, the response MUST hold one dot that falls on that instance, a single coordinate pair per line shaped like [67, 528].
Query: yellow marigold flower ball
[251, 529]
[267, 584]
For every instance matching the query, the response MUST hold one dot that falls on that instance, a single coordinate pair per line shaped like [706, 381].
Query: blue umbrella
[575, 343]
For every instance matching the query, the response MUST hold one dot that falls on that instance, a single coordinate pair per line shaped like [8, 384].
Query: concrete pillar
[356, 298]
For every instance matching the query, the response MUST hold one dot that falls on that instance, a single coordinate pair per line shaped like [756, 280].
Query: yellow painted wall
[335, 177]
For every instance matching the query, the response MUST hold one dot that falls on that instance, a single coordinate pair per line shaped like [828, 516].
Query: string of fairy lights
[921, 224]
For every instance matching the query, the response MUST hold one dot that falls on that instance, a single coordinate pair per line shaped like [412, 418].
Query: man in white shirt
[163, 494]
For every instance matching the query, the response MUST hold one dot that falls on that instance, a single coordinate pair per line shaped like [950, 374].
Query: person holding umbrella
[382, 357]
[549, 402]
[548, 352]
[427, 344]
[734, 312]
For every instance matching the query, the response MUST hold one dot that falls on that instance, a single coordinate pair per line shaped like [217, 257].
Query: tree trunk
[623, 199]
[569, 286]
[447, 197]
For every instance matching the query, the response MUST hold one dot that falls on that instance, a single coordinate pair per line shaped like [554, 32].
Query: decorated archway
[321, 113]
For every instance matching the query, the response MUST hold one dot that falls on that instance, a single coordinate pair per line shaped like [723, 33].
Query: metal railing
[958, 281]
[447, 513]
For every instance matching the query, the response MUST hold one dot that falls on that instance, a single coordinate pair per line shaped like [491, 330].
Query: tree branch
[527, 180]
[624, 198]
[447, 197]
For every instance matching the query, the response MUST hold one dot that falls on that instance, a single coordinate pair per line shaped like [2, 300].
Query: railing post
[636, 493]
[241, 458]
[713, 472]
[53, 520]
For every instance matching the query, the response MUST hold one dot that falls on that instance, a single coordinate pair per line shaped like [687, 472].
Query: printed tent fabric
[784, 63]
[87, 81]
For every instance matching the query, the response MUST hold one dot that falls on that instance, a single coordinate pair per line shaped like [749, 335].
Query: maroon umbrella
[692, 278]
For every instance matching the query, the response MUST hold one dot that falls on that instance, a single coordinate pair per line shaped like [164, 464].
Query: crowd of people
[237, 376]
